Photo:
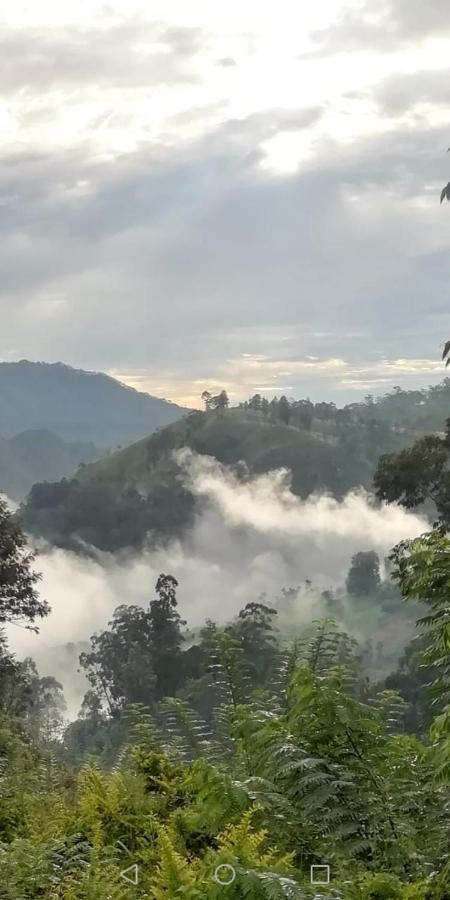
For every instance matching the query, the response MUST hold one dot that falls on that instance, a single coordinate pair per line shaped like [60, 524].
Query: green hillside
[37, 456]
[136, 492]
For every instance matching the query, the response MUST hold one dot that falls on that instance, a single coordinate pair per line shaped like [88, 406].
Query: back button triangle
[131, 874]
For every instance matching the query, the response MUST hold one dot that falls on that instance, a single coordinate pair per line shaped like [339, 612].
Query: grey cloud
[399, 93]
[384, 25]
[179, 261]
[131, 53]
[227, 62]
[264, 124]
[415, 18]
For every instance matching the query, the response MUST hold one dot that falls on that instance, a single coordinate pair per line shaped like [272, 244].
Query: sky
[244, 195]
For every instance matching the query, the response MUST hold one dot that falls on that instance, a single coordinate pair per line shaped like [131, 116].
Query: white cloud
[249, 538]
[252, 373]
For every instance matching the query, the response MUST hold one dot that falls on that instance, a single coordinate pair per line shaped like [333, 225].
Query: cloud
[414, 19]
[381, 28]
[257, 373]
[250, 538]
[130, 53]
[177, 263]
[175, 235]
[226, 62]
[402, 92]
[267, 505]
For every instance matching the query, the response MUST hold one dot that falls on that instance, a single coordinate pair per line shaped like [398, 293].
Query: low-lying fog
[249, 538]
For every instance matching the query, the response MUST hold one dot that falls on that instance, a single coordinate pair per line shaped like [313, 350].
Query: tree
[44, 719]
[284, 410]
[37, 703]
[19, 599]
[273, 409]
[255, 630]
[255, 403]
[114, 665]
[412, 679]
[10, 680]
[119, 664]
[166, 636]
[364, 574]
[207, 399]
[217, 401]
[415, 475]
[422, 569]
[221, 401]
[325, 411]
[138, 659]
[304, 411]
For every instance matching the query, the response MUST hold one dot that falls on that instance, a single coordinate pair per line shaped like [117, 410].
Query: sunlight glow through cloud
[235, 176]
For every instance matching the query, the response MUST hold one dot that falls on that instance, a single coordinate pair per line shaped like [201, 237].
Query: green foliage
[218, 401]
[136, 494]
[327, 778]
[416, 475]
[38, 703]
[19, 600]
[305, 767]
[422, 567]
[254, 630]
[138, 659]
[241, 749]
[412, 679]
[445, 193]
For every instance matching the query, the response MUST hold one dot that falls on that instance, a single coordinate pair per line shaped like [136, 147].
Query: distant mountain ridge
[77, 405]
[39, 455]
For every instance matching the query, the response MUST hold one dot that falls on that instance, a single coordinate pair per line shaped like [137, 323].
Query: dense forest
[224, 604]
[232, 760]
[137, 495]
[236, 747]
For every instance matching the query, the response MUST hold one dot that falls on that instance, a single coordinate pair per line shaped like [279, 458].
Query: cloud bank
[169, 217]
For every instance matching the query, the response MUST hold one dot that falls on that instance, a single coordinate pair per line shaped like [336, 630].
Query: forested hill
[77, 405]
[117, 501]
[421, 410]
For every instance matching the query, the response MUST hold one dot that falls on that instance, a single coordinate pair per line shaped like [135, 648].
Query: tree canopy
[19, 599]
[262, 746]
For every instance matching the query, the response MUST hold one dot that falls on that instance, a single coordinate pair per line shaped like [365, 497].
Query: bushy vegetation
[238, 747]
[249, 745]
[145, 654]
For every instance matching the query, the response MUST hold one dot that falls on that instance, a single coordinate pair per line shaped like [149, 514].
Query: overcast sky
[197, 194]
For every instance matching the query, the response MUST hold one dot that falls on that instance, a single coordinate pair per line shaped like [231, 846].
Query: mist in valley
[251, 537]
